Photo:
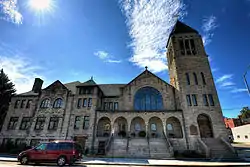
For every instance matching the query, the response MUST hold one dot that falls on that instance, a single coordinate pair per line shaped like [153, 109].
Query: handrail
[228, 145]
[107, 147]
[171, 150]
[205, 147]
[128, 138]
[148, 146]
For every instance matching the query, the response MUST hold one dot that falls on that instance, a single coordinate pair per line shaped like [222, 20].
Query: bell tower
[190, 74]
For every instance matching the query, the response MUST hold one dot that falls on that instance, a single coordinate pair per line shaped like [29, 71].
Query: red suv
[61, 152]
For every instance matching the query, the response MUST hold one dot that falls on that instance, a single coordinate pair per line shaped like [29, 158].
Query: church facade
[146, 117]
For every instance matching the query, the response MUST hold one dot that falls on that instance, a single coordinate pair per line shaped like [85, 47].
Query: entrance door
[205, 126]
[101, 147]
[81, 141]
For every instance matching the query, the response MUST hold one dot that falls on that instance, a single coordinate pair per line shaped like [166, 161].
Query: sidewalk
[144, 162]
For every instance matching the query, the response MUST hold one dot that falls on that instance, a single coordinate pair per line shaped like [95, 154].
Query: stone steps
[218, 149]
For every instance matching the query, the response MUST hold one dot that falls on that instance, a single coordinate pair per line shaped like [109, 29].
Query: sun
[40, 5]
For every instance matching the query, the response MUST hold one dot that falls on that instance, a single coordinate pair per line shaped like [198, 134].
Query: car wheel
[61, 161]
[24, 160]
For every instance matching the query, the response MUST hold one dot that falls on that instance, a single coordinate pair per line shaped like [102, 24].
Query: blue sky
[114, 40]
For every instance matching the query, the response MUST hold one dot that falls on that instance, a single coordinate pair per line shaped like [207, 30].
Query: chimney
[37, 85]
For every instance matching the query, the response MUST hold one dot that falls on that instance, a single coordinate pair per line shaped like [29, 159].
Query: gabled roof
[146, 71]
[181, 28]
[54, 83]
[90, 82]
[72, 86]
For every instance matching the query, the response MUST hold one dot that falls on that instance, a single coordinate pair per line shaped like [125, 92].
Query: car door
[52, 151]
[38, 153]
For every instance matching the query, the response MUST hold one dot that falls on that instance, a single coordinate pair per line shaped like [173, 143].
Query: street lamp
[245, 80]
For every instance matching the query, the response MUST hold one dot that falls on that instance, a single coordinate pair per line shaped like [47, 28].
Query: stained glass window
[148, 98]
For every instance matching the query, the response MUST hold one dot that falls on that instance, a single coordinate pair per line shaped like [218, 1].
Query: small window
[211, 99]
[153, 127]
[40, 122]
[137, 127]
[187, 78]
[205, 101]
[85, 102]
[13, 123]
[77, 122]
[86, 122]
[182, 47]
[105, 106]
[115, 105]
[45, 103]
[79, 103]
[58, 103]
[194, 99]
[246, 137]
[110, 105]
[17, 104]
[193, 49]
[203, 78]
[90, 102]
[238, 136]
[195, 78]
[25, 124]
[53, 123]
[169, 127]
[189, 100]
[23, 103]
[28, 104]
[187, 47]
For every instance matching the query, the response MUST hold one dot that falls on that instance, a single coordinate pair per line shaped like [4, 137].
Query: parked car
[61, 152]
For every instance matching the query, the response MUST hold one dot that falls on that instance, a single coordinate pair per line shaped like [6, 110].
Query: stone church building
[146, 117]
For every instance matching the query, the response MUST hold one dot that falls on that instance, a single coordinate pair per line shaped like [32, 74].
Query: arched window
[195, 78]
[45, 103]
[187, 78]
[148, 98]
[203, 78]
[58, 103]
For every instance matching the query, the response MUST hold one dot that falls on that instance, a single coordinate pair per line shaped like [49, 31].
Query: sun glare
[40, 5]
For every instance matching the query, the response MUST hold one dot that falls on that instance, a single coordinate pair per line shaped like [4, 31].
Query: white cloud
[106, 57]
[224, 77]
[238, 90]
[149, 23]
[226, 84]
[9, 11]
[208, 26]
[114, 61]
[20, 71]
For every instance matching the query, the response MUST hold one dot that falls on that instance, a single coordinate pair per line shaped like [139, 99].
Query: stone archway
[174, 129]
[104, 127]
[155, 127]
[121, 127]
[205, 126]
[138, 127]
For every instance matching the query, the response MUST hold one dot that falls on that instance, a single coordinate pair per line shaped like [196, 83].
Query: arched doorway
[138, 127]
[205, 126]
[174, 129]
[155, 127]
[103, 127]
[120, 127]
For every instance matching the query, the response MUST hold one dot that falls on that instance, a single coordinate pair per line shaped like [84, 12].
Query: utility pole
[245, 80]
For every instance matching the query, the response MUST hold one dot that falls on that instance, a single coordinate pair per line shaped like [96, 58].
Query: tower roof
[181, 28]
